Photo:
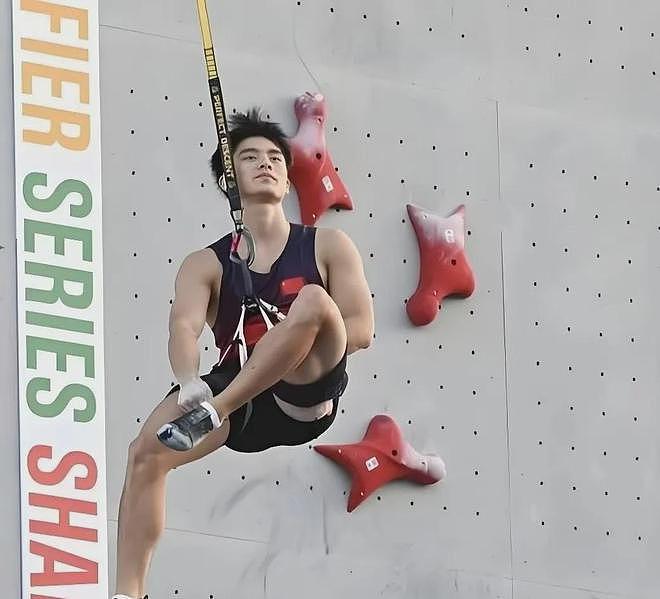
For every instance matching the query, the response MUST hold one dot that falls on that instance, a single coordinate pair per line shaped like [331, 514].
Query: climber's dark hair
[250, 124]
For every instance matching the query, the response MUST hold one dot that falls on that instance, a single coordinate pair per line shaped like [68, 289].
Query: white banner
[60, 299]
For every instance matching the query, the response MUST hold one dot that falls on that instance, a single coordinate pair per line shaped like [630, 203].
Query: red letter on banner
[87, 574]
[74, 458]
[63, 527]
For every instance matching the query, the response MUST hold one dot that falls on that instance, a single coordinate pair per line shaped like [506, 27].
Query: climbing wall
[539, 390]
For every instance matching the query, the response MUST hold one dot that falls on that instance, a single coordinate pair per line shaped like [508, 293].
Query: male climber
[288, 389]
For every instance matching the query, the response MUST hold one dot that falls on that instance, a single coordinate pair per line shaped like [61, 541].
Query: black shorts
[267, 425]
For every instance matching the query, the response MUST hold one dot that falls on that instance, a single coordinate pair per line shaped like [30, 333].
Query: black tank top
[295, 267]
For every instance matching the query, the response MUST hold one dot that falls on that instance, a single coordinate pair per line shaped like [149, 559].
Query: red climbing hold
[444, 268]
[383, 455]
[317, 183]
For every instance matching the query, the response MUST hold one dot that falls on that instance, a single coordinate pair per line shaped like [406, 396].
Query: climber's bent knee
[312, 307]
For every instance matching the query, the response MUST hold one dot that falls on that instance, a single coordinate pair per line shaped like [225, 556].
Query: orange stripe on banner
[57, 77]
[57, 12]
[57, 118]
[31, 45]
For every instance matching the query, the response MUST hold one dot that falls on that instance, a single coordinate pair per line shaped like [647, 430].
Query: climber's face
[261, 170]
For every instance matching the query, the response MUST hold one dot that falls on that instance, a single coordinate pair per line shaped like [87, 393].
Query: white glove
[193, 392]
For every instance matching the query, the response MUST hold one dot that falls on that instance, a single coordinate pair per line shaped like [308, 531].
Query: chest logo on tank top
[291, 287]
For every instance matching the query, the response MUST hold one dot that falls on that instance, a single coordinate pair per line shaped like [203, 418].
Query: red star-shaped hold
[313, 174]
[382, 456]
[443, 266]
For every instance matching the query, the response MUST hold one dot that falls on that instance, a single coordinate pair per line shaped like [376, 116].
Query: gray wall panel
[242, 565]
[376, 386]
[581, 282]
[489, 114]
[582, 57]
[10, 497]
[530, 590]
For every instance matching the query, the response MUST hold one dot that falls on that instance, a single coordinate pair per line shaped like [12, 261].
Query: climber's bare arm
[195, 289]
[347, 286]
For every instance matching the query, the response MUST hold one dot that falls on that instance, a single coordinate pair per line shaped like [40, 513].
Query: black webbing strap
[226, 154]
